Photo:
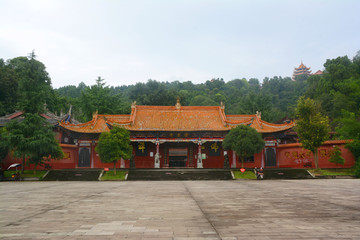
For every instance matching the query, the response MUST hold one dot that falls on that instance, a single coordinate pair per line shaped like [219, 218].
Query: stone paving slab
[181, 210]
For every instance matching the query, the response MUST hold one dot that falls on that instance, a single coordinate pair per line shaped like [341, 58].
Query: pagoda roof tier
[301, 70]
[175, 118]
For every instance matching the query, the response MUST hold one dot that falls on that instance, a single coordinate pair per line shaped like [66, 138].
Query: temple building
[318, 72]
[301, 70]
[172, 136]
[183, 137]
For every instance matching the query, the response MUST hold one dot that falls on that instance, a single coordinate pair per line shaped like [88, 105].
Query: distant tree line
[276, 98]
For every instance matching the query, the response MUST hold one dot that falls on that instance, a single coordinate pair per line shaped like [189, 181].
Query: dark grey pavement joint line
[177, 210]
[190, 194]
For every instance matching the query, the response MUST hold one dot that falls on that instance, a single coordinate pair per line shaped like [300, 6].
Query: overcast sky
[132, 41]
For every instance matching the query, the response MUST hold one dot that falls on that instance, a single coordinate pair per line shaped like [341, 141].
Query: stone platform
[229, 210]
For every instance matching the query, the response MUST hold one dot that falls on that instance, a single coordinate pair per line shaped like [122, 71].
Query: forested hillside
[337, 91]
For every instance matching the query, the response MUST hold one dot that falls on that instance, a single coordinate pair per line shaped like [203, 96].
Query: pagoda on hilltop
[301, 70]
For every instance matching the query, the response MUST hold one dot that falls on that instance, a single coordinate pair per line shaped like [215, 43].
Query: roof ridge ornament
[258, 115]
[222, 105]
[258, 119]
[95, 114]
[178, 105]
[133, 104]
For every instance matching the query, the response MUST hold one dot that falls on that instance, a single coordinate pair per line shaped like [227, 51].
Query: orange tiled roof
[318, 72]
[175, 118]
[99, 123]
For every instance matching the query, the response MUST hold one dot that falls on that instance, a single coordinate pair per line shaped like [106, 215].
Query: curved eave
[81, 130]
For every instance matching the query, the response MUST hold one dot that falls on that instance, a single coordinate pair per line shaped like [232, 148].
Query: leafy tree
[256, 102]
[33, 139]
[348, 126]
[8, 89]
[336, 156]
[34, 83]
[72, 91]
[202, 100]
[245, 141]
[311, 126]
[114, 145]
[152, 93]
[254, 84]
[339, 87]
[302, 77]
[98, 98]
[4, 145]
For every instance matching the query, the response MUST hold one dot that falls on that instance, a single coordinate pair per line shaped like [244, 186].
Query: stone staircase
[285, 173]
[178, 174]
[73, 175]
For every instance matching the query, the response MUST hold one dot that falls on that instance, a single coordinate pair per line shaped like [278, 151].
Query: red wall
[212, 161]
[69, 161]
[293, 156]
[287, 156]
[145, 161]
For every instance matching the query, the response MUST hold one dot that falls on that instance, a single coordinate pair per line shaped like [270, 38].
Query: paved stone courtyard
[279, 209]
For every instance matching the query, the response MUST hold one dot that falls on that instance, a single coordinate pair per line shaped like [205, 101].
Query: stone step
[178, 174]
[73, 175]
[284, 173]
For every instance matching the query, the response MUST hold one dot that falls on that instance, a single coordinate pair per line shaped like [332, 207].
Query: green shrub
[354, 147]
[357, 168]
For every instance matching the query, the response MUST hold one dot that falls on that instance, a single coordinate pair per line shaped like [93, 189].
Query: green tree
[34, 83]
[203, 101]
[153, 93]
[348, 126]
[339, 87]
[245, 141]
[4, 145]
[8, 89]
[256, 102]
[311, 126]
[33, 139]
[98, 98]
[336, 157]
[114, 145]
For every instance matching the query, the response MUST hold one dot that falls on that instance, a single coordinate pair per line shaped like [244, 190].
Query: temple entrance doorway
[84, 157]
[270, 157]
[178, 157]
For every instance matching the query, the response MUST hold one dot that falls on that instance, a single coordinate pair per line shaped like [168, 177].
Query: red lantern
[242, 170]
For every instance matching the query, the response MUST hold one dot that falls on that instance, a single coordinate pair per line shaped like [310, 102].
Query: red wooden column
[233, 164]
[199, 158]
[157, 155]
